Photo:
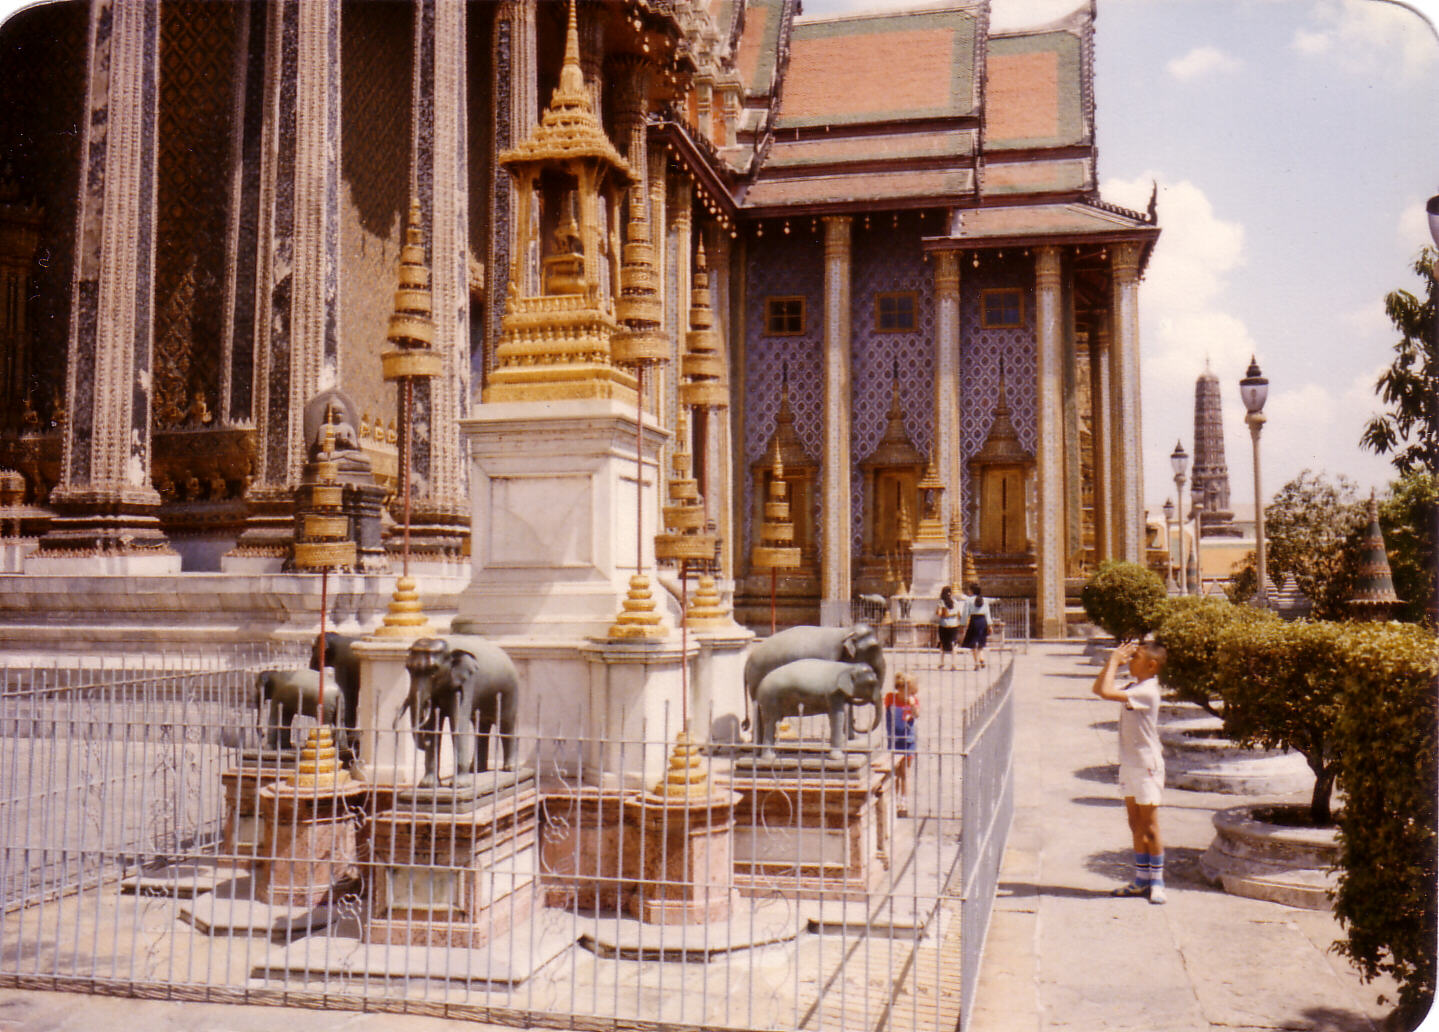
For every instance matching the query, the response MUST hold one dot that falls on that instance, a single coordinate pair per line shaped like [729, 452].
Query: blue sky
[1294, 144]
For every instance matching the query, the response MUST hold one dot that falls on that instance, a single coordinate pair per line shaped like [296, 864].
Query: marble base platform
[679, 860]
[1252, 857]
[751, 923]
[244, 829]
[309, 849]
[454, 879]
[508, 960]
[812, 836]
[233, 909]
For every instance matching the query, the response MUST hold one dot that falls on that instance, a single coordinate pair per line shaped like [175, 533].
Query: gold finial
[687, 777]
[572, 79]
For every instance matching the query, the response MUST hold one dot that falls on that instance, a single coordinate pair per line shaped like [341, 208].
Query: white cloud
[1201, 61]
[1366, 38]
[1413, 226]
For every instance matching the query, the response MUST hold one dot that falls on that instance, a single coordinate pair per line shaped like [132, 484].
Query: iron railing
[149, 847]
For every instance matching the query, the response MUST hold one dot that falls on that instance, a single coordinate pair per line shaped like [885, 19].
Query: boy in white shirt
[1141, 760]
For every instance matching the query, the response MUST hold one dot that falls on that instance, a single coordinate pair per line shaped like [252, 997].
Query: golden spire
[684, 517]
[702, 364]
[776, 549]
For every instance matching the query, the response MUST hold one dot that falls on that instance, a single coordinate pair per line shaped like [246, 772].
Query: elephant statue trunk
[812, 686]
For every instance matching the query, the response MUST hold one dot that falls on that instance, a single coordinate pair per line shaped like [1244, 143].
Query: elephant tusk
[874, 722]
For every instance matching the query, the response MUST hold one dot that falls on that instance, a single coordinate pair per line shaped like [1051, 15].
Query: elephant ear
[849, 647]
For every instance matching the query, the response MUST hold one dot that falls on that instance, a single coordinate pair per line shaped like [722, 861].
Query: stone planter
[1254, 858]
[1198, 757]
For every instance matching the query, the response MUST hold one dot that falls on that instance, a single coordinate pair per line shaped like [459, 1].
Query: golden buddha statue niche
[563, 262]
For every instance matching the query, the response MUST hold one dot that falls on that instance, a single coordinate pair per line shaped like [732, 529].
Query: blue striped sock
[1156, 869]
[1141, 868]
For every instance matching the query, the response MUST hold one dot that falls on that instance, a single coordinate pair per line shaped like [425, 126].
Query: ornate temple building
[867, 254]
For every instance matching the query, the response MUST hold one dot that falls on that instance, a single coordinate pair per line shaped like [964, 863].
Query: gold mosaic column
[440, 184]
[105, 499]
[1101, 420]
[1124, 345]
[835, 464]
[1049, 375]
[946, 394]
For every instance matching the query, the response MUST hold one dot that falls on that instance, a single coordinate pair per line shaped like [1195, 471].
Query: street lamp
[1254, 389]
[1169, 550]
[1196, 506]
[1432, 208]
[1179, 459]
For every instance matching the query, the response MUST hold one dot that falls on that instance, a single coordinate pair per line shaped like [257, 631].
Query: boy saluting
[1141, 762]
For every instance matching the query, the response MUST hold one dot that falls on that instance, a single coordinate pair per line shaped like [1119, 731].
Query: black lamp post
[1169, 564]
[1254, 389]
[1179, 460]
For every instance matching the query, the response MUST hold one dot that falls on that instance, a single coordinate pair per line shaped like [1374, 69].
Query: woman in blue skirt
[976, 635]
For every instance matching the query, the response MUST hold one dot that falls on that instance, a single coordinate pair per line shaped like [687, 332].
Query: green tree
[1125, 599]
[1407, 517]
[1313, 528]
[1386, 895]
[1282, 685]
[1190, 631]
[1409, 431]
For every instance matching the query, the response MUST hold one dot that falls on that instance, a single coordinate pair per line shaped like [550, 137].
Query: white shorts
[1145, 784]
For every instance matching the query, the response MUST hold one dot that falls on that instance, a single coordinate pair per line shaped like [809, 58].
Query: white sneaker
[1156, 894]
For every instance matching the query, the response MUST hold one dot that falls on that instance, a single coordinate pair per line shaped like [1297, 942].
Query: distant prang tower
[1211, 473]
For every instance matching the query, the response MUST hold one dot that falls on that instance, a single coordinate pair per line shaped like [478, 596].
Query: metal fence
[905, 621]
[149, 846]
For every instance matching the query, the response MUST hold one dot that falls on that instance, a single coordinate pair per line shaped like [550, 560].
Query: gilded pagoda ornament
[558, 344]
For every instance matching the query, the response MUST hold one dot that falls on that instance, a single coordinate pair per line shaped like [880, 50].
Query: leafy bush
[1281, 685]
[1385, 730]
[1190, 630]
[1125, 599]
[1407, 518]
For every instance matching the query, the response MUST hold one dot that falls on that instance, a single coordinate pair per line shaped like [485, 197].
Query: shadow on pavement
[1105, 725]
[1104, 774]
[1089, 800]
[1022, 890]
[1181, 866]
[1344, 1020]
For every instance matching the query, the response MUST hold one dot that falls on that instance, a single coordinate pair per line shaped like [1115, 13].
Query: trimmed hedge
[1282, 685]
[1190, 630]
[1387, 879]
[1124, 599]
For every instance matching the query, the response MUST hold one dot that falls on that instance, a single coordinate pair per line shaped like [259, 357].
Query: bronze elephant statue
[811, 686]
[472, 685]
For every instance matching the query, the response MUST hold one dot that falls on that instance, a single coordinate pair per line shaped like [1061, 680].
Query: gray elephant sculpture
[812, 686]
[282, 694]
[471, 684]
[857, 644]
[344, 665]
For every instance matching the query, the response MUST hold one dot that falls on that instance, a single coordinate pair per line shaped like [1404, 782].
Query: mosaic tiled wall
[199, 48]
[982, 351]
[377, 42]
[41, 102]
[887, 259]
[782, 266]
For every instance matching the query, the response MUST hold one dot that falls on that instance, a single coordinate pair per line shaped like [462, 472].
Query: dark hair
[946, 595]
[1156, 652]
[978, 595]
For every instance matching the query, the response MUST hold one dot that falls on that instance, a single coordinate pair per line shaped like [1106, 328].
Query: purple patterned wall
[782, 265]
[888, 259]
[980, 353]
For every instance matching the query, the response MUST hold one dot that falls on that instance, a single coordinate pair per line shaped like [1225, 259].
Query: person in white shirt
[1141, 760]
[947, 613]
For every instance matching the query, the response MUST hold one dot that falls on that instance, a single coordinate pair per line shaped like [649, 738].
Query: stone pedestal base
[679, 858]
[244, 827]
[1280, 863]
[553, 493]
[310, 842]
[929, 569]
[581, 847]
[811, 836]
[454, 879]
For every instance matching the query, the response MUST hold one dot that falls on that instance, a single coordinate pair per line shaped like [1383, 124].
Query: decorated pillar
[835, 464]
[297, 346]
[107, 506]
[514, 87]
[440, 178]
[719, 498]
[1049, 409]
[1100, 421]
[946, 402]
[1124, 369]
